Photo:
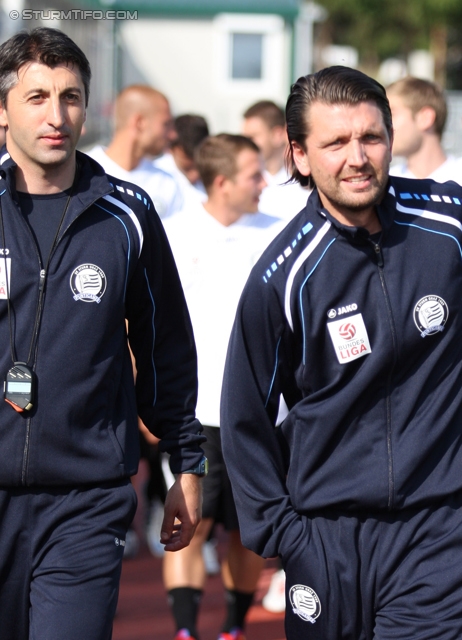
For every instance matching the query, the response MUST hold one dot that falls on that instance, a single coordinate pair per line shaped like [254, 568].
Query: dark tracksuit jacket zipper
[380, 265]
[36, 330]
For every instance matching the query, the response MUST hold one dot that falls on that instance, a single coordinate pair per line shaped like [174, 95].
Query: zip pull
[42, 279]
[378, 253]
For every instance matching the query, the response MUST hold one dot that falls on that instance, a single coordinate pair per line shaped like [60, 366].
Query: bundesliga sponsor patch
[349, 337]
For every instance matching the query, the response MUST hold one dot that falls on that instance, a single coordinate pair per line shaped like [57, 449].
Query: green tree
[392, 28]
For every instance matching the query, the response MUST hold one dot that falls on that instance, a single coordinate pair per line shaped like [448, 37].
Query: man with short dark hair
[419, 112]
[264, 123]
[82, 254]
[215, 245]
[354, 315]
[189, 131]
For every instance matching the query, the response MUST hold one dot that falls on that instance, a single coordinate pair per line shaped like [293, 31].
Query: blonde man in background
[419, 113]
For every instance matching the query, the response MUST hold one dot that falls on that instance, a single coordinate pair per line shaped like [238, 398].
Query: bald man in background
[142, 130]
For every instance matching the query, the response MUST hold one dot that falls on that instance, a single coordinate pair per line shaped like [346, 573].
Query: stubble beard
[361, 202]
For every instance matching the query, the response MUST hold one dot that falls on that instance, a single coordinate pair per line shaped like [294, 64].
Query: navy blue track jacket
[111, 262]
[363, 337]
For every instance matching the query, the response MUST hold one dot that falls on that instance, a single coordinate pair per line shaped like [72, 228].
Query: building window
[246, 56]
[252, 55]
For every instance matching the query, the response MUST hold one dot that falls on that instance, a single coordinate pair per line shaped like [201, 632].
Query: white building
[214, 57]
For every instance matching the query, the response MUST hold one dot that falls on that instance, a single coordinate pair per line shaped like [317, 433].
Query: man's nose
[55, 112]
[357, 156]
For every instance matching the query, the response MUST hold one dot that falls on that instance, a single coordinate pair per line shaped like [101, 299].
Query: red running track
[143, 612]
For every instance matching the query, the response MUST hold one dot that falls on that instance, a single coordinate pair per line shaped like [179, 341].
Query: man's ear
[218, 186]
[3, 116]
[219, 181]
[425, 118]
[300, 157]
[136, 122]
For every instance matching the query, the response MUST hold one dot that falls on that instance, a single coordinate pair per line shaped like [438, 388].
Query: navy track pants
[60, 560]
[378, 576]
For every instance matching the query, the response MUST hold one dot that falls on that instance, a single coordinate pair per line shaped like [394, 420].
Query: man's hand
[182, 512]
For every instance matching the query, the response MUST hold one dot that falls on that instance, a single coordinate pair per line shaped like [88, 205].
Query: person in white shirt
[419, 113]
[264, 123]
[143, 126]
[189, 131]
[215, 245]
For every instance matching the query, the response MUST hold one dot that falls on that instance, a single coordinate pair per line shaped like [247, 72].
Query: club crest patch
[349, 337]
[430, 315]
[305, 603]
[88, 283]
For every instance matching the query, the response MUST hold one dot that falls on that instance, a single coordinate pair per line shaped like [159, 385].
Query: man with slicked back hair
[353, 314]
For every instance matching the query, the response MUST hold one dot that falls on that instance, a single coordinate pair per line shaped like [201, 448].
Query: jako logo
[347, 331]
[347, 309]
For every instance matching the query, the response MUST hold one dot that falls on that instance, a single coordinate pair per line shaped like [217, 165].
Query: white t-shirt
[282, 200]
[451, 169]
[191, 193]
[214, 263]
[159, 185]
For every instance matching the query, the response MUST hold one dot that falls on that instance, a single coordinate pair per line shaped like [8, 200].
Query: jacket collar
[92, 182]
[385, 211]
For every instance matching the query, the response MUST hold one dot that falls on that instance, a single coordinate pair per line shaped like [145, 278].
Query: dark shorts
[61, 560]
[218, 501]
[390, 576]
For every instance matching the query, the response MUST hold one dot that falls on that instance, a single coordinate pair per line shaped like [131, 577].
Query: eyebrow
[339, 135]
[41, 90]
